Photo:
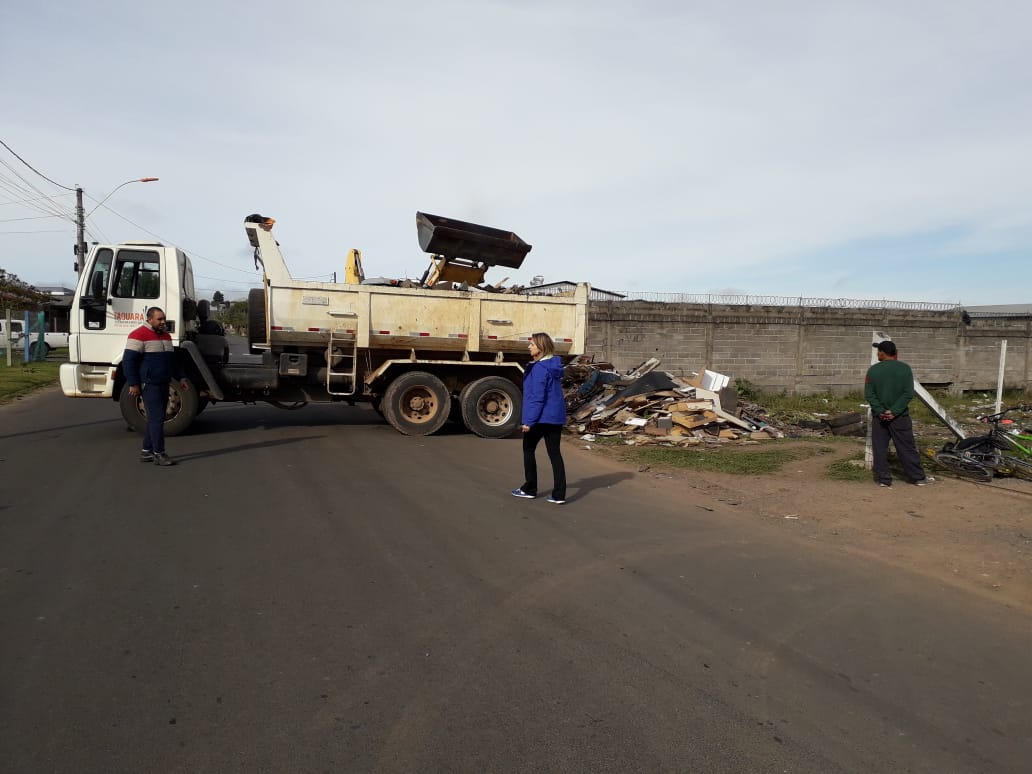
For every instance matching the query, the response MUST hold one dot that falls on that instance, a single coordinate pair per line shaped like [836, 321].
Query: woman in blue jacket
[544, 414]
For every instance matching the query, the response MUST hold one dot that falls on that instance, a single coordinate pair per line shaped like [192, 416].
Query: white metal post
[9, 339]
[876, 338]
[999, 377]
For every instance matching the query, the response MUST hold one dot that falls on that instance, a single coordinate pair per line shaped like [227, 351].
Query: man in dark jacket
[150, 364]
[889, 388]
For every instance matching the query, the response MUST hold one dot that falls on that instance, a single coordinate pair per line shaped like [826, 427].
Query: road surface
[310, 591]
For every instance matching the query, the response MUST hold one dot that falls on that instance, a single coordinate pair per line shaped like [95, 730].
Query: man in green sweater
[889, 388]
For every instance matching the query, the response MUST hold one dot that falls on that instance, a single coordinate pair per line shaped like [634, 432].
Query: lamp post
[80, 219]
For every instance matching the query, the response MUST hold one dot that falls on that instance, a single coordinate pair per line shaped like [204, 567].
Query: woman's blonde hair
[544, 343]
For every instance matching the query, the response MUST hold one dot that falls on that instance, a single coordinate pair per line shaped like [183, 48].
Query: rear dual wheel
[491, 407]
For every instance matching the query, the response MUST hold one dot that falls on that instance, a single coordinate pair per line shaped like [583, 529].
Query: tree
[19, 296]
[218, 299]
[236, 315]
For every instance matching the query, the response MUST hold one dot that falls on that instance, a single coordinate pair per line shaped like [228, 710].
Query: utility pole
[80, 232]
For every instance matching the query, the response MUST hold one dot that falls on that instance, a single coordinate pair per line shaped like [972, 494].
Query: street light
[80, 218]
[127, 182]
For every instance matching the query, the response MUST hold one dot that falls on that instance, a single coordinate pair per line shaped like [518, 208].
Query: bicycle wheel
[964, 466]
[1018, 467]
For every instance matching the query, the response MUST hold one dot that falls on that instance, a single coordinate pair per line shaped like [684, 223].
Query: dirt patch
[973, 536]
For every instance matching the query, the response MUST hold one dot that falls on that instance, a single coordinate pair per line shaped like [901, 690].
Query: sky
[828, 149]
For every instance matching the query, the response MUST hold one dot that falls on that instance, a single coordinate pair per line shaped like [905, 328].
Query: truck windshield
[137, 274]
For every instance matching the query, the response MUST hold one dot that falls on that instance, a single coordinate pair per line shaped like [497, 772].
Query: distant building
[58, 310]
[565, 286]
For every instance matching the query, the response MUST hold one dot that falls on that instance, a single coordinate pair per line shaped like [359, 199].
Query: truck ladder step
[342, 375]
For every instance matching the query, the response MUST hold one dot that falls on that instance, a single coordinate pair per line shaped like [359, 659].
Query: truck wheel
[416, 403]
[39, 350]
[491, 407]
[182, 408]
[256, 317]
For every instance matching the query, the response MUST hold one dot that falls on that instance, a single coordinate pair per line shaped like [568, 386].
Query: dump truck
[446, 347]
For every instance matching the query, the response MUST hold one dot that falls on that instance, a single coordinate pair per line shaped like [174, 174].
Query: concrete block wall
[808, 349]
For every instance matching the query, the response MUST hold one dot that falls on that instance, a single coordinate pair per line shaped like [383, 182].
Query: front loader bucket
[458, 239]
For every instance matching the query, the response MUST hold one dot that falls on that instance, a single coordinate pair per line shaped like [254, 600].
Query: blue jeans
[155, 401]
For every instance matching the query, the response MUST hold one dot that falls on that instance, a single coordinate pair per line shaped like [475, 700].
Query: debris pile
[649, 406]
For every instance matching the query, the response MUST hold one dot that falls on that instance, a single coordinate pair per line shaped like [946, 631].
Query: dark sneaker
[521, 493]
[146, 456]
[925, 481]
[556, 501]
[163, 460]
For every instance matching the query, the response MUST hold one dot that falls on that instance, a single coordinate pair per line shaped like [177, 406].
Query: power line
[41, 231]
[43, 203]
[23, 161]
[170, 241]
[30, 217]
[26, 201]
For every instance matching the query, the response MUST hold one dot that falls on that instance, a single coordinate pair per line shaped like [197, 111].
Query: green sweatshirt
[889, 387]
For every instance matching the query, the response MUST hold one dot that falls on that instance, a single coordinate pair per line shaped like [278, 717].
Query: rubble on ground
[648, 406]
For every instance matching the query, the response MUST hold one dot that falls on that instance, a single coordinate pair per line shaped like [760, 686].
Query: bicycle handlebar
[997, 417]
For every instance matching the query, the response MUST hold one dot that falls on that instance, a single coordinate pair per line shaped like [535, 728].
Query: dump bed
[376, 316]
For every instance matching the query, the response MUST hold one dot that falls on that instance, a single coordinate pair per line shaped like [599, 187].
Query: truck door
[122, 285]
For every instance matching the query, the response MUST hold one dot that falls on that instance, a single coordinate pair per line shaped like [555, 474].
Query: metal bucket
[458, 239]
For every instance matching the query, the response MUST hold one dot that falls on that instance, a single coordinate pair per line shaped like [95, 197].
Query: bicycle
[999, 452]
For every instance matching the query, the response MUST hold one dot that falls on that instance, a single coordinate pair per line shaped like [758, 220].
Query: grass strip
[848, 469]
[720, 460]
[21, 379]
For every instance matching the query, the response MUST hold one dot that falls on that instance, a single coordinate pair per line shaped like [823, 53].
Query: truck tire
[256, 321]
[39, 350]
[182, 408]
[416, 403]
[491, 407]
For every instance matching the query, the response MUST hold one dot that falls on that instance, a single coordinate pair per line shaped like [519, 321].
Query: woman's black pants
[551, 434]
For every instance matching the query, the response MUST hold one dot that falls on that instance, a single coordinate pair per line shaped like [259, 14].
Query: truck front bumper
[83, 380]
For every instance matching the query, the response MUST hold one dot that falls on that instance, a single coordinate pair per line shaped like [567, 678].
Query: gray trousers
[901, 431]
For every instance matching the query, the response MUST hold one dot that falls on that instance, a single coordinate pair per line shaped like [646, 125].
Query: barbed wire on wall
[796, 301]
[724, 299]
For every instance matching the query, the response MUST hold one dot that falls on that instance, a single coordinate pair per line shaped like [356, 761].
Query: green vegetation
[782, 407]
[236, 315]
[727, 460]
[848, 469]
[21, 379]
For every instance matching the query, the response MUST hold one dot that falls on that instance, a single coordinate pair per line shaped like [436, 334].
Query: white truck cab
[120, 283]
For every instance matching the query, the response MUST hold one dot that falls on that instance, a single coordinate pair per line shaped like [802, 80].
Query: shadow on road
[586, 486]
[244, 447]
[61, 427]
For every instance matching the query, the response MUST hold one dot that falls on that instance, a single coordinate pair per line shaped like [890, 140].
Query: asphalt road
[311, 592]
